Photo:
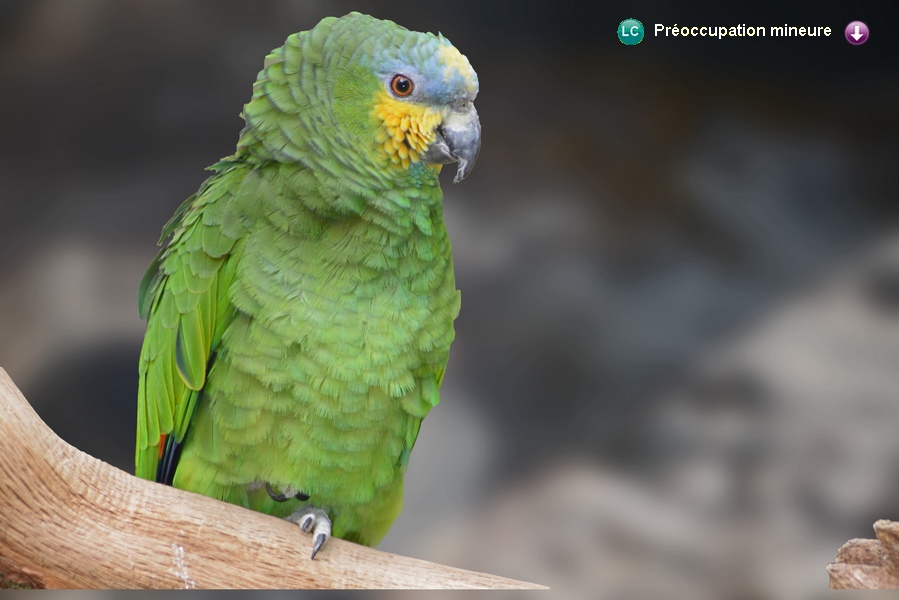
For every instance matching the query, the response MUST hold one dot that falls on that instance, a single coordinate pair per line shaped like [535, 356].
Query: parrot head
[366, 96]
[426, 109]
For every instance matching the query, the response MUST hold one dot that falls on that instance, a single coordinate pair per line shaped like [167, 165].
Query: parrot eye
[401, 86]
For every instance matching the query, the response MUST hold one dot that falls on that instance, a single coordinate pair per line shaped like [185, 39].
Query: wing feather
[184, 297]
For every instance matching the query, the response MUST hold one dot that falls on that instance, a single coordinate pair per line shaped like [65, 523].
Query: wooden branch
[868, 564]
[70, 520]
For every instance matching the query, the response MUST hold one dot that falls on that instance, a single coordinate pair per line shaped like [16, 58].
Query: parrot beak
[458, 140]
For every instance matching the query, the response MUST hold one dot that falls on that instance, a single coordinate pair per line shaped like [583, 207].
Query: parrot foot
[315, 520]
[289, 492]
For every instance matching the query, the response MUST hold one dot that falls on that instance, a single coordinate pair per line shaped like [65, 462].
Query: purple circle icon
[856, 33]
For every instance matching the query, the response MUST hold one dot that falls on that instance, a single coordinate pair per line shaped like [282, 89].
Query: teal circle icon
[630, 32]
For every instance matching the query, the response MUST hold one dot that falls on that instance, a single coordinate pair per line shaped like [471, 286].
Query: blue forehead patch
[442, 72]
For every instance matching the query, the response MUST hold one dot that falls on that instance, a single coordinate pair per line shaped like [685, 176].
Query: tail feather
[171, 452]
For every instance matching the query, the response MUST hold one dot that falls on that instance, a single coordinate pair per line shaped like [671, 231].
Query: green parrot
[300, 317]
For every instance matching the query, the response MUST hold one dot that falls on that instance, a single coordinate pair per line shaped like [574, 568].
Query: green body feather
[300, 317]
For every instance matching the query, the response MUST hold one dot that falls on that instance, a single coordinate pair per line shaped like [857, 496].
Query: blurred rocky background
[677, 362]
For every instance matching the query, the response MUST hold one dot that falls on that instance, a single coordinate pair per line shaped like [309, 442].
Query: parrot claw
[320, 539]
[289, 493]
[313, 520]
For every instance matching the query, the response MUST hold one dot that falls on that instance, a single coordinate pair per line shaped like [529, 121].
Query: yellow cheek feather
[406, 129]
